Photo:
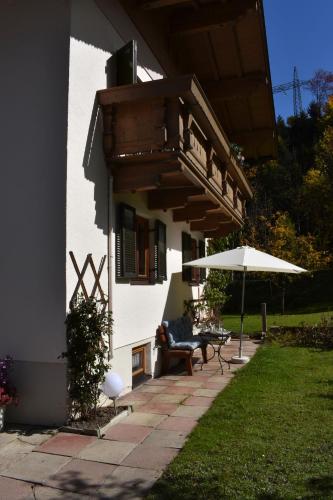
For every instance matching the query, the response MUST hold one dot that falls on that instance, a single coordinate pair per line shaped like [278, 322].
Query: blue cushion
[189, 345]
[176, 331]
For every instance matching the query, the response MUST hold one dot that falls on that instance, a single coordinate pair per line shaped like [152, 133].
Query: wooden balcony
[164, 138]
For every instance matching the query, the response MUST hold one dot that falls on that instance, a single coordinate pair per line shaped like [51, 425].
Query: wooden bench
[167, 353]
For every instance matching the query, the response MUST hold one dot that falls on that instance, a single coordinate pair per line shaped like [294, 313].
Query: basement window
[138, 361]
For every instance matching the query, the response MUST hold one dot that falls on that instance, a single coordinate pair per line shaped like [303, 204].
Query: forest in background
[291, 214]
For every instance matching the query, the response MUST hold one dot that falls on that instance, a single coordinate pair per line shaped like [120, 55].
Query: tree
[321, 86]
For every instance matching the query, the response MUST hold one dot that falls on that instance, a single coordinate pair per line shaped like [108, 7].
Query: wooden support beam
[204, 225]
[143, 177]
[175, 180]
[157, 4]
[193, 211]
[233, 88]
[162, 199]
[210, 222]
[223, 230]
[208, 17]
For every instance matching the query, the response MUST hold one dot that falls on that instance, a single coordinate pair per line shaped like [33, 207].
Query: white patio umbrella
[245, 259]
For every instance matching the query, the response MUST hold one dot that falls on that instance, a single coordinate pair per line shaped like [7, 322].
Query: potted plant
[7, 391]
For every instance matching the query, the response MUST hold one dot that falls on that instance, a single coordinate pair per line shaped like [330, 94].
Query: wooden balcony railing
[164, 138]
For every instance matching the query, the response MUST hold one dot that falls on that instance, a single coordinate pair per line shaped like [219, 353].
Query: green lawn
[268, 435]
[252, 322]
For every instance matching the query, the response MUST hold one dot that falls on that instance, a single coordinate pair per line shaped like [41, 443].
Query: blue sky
[299, 33]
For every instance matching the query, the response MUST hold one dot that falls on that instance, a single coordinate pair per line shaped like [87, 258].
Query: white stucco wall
[97, 30]
[34, 47]
[139, 309]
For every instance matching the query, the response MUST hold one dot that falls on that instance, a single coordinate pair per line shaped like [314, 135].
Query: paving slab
[168, 398]
[216, 385]
[136, 405]
[166, 438]
[146, 419]
[198, 401]
[65, 444]
[128, 483]
[46, 493]
[210, 393]
[109, 452]
[81, 476]
[189, 383]
[184, 424]
[128, 433]
[156, 389]
[12, 489]
[219, 379]
[160, 408]
[190, 411]
[197, 374]
[171, 377]
[135, 396]
[179, 390]
[6, 438]
[12, 453]
[160, 381]
[150, 457]
[35, 467]
[36, 438]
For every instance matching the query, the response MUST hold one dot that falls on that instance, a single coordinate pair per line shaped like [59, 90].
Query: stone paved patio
[43, 464]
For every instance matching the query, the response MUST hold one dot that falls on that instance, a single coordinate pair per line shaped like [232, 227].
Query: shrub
[87, 326]
[7, 391]
[318, 336]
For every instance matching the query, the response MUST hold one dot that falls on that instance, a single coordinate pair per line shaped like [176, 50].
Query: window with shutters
[186, 256]
[202, 253]
[195, 271]
[126, 265]
[160, 264]
[142, 247]
[140, 258]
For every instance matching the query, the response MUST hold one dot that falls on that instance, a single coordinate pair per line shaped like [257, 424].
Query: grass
[252, 322]
[269, 435]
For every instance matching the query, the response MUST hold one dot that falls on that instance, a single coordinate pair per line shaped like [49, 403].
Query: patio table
[216, 339]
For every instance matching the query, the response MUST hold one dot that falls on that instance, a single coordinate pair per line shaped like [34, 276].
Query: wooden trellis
[97, 275]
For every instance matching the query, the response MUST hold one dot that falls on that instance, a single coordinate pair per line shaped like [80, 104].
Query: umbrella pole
[242, 315]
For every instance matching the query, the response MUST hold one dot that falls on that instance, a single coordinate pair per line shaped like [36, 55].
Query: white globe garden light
[112, 386]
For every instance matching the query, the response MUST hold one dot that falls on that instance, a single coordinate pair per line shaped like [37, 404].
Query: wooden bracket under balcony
[163, 137]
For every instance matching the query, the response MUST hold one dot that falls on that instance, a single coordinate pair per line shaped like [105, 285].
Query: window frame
[129, 247]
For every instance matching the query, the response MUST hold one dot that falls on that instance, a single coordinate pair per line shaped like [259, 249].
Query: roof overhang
[224, 44]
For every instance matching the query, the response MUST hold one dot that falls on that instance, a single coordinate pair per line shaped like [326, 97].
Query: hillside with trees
[291, 214]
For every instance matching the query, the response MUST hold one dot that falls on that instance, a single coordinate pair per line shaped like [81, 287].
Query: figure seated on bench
[178, 341]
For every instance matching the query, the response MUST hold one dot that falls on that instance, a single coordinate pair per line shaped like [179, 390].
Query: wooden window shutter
[186, 256]
[160, 251]
[202, 253]
[195, 275]
[126, 243]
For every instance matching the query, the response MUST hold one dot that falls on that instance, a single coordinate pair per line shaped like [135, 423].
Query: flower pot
[2, 417]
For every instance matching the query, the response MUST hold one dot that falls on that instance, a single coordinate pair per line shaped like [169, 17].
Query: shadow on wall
[92, 23]
[95, 169]
[179, 291]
